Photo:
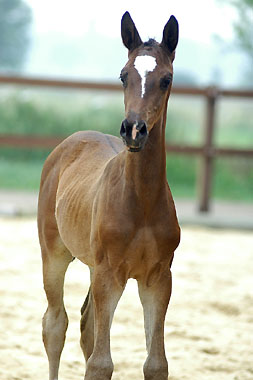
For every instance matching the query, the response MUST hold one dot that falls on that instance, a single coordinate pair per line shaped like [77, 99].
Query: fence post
[206, 169]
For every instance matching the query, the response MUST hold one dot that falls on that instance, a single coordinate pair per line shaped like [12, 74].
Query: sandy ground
[209, 324]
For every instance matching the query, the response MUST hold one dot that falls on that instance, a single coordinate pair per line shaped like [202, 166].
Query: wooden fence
[207, 151]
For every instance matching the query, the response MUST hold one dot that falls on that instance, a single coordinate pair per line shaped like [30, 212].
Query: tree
[243, 30]
[15, 20]
[243, 26]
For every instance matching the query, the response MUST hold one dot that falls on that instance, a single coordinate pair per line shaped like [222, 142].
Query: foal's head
[146, 79]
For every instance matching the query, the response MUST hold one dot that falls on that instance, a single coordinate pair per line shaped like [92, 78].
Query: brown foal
[110, 206]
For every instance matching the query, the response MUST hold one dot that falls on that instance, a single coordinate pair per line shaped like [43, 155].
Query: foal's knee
[99, 369]
[55, 321]
[156, 369]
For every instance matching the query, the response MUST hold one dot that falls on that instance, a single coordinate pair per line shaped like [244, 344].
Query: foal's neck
[145, 171]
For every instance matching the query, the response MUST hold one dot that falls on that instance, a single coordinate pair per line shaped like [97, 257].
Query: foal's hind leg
[55, 320]
[155, 300]
[87, 325]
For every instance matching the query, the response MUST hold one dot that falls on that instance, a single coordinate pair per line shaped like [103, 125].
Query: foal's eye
[123, 78]
[165, 82]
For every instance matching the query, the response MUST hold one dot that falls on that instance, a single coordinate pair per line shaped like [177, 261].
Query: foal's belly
[73, 212]
[74, 231]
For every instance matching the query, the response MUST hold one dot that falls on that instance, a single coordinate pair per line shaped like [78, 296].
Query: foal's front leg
[106, 293]
[155, 300]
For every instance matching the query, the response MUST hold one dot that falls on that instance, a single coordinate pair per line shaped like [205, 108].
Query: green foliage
[15, 19]
[52, 116]
[44, 113]
[244, 25]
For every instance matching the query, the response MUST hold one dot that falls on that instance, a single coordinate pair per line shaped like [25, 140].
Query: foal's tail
[87, 326]
[85, 302]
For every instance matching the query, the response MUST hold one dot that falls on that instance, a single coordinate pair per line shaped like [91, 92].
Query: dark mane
[150, 43]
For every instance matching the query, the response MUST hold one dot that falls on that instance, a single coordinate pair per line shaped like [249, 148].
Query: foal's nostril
[126, 128]
[122, 129]
[143, 129]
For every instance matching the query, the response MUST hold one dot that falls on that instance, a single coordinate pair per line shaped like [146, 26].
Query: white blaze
[144, 64]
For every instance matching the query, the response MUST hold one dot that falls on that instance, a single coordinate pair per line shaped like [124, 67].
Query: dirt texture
[209, 324]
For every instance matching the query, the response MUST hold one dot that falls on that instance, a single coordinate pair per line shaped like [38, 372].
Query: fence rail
[207, 151]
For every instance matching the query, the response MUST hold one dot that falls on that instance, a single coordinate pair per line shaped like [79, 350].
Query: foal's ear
[170, 34]
[129, 33]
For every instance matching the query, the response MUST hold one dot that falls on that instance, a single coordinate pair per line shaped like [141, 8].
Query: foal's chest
[157, 237]
[140, 252]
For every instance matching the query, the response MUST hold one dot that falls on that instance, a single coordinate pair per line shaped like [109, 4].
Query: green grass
[49, 113]
[20, 169]
[233, 179]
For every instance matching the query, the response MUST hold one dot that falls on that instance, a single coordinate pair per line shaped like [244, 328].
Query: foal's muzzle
[134, 135]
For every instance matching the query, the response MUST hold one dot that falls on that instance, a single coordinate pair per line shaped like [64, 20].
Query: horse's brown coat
[113, 210]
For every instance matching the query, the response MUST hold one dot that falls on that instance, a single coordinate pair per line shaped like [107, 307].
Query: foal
[110, 206]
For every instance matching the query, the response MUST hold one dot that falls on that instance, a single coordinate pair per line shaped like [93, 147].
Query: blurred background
[49, 48]
[81, 40]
